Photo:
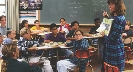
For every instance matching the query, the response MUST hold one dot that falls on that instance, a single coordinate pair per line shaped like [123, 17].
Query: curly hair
[120, 7]
[7, 52]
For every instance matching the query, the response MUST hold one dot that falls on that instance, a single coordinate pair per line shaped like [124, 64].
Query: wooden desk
[52, 47]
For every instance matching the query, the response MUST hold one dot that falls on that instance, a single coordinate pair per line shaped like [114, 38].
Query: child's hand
[124, 34]
[62, 31]
[32, 48]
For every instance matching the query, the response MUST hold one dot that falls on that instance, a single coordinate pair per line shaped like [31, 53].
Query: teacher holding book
[114, 47]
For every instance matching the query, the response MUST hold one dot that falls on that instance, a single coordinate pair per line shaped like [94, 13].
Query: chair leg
[91, 68]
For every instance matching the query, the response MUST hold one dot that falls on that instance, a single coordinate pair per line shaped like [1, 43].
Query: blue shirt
[79, 45]
[7, 40]
[58, 38]
[3, 30]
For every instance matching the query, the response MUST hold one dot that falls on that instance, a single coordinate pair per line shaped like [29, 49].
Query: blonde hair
[24, 31]
[7, 51]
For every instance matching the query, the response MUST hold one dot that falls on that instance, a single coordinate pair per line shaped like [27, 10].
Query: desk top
[44, 33]
[92, 37]
[52, 47]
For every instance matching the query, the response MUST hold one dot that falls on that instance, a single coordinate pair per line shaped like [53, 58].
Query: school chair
[127, 51]
[110, 68]
[127, 46]
[84, 54]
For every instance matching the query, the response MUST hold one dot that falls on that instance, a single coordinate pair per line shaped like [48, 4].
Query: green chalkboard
[129, 10]
[83, 11]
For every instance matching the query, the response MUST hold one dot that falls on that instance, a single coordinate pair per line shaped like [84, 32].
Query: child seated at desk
[10, 37]
[127, 32]
[56, 37]
[97, 25]
[9, 62]
[63, 29]
[1, 41]
[25, 43]
[24, 24]
[78, 44]
[37, 28]
[74, 26]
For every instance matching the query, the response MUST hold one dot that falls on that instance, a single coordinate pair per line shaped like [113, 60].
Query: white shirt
[64, 29]
[1, 51]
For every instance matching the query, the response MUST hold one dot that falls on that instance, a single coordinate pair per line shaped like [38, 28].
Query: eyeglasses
[78, 34]
[54, 29]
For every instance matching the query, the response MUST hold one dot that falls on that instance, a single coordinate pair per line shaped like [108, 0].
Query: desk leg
[41, 56]
[98, 49]
[57, 56]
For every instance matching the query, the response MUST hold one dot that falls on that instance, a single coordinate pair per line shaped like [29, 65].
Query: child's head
[10, 50]
[53, 28]
[1, 39]
[37, 23]
[11, 34]
[3, 20]
[62, 21]
[24, 24]
[78, 34]
[116, 7]
[75, 25]
[97, 21]
[25, 33]
[127, 26]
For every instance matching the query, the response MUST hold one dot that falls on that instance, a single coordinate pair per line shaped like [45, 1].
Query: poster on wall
[30, 15]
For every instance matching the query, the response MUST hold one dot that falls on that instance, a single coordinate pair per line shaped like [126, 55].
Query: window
[2, 7]
[2, 1]
[2, 11]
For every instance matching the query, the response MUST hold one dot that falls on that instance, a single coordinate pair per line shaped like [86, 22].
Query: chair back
[127, 40]
[82, 53]
[109, 68]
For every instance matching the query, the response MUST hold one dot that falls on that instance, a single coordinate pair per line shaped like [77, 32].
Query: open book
[105, 26]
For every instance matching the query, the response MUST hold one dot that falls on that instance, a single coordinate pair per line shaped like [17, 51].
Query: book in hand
[105, 26]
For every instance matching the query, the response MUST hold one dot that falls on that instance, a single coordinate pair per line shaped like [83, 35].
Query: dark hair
[2, 17]
[52, 25]
[77, 31]
[36, 21]
[63, 19]
[23, 23]
[120, 7]
[96, 19]
[73, 23]
[128, 23]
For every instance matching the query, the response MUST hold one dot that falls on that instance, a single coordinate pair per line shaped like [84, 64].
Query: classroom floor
[97, 63]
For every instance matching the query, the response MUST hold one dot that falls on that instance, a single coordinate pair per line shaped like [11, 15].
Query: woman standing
[114, 47]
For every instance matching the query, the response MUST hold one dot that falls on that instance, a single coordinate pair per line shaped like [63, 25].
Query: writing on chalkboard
[100, 3]
[74, 7]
